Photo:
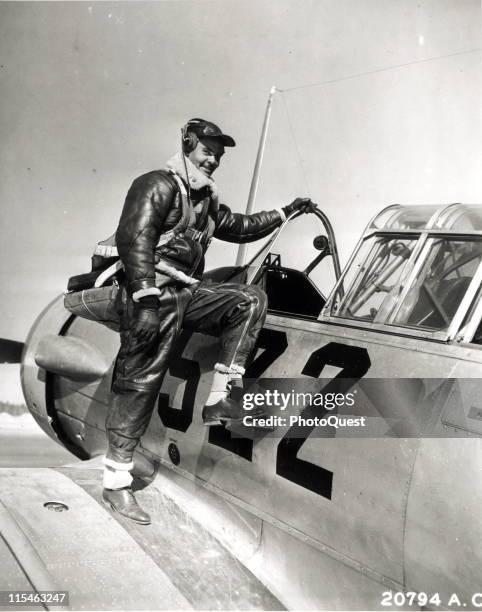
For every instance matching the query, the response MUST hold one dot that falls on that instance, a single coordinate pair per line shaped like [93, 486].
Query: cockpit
[296, 266]
[416, 271]
[291, 290]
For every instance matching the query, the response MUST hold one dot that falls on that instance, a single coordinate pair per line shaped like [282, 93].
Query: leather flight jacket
[154, 206]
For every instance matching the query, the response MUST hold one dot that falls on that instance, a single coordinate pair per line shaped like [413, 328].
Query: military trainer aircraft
[310, 515]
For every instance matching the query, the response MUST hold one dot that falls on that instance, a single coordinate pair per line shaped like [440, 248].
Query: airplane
[304, 517]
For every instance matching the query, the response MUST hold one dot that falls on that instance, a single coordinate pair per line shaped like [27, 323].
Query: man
[168, 220]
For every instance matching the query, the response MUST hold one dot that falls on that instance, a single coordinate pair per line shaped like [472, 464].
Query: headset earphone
[189, 137]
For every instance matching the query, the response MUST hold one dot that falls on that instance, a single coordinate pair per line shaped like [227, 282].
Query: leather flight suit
[234, 312]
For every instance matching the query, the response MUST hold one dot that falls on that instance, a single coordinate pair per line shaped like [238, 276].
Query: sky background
[94, 94]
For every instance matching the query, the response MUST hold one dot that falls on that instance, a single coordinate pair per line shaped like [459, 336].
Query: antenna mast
[257, 167]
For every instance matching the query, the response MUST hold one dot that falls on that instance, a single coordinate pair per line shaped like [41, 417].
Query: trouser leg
[234, 312]
[139, 371]
[96, 304]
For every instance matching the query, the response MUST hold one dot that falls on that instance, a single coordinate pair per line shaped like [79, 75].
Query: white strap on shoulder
[180, 183]
[185, 202]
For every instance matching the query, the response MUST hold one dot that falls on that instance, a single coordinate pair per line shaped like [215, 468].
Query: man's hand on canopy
[304, 205]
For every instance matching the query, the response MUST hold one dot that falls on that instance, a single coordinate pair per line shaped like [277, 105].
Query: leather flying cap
[207, 129]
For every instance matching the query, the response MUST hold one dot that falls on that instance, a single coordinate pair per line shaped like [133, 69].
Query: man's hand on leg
[146, 319]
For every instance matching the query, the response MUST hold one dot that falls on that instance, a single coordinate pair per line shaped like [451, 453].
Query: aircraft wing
[56, 535]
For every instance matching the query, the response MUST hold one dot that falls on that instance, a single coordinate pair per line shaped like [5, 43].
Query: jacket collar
[196, 179]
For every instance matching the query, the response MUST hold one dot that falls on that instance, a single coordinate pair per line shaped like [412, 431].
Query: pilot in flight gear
[168, 220]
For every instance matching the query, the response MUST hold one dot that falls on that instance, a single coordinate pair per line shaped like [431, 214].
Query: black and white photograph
[241, 306]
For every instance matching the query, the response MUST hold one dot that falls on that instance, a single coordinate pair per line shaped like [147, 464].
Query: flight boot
[124, 502]
[226, 411]
[223, 411]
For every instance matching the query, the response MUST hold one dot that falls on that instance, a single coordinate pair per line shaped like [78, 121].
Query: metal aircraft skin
[321, 519]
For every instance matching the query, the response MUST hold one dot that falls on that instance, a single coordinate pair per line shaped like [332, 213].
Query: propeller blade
[10, 351]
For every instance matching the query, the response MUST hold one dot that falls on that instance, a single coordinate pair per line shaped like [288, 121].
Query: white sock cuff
[116, 479]
[224, 369]
[238, 369]
[232, 369]
[116, 465]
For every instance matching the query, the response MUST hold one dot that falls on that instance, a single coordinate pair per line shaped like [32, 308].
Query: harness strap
[108, 248]
[110, 271]
[185, 208]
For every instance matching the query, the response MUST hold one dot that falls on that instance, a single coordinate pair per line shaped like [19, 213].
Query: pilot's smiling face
[207, 155]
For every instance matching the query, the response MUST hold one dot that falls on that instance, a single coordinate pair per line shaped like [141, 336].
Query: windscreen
[390, 282]
[374, 277]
